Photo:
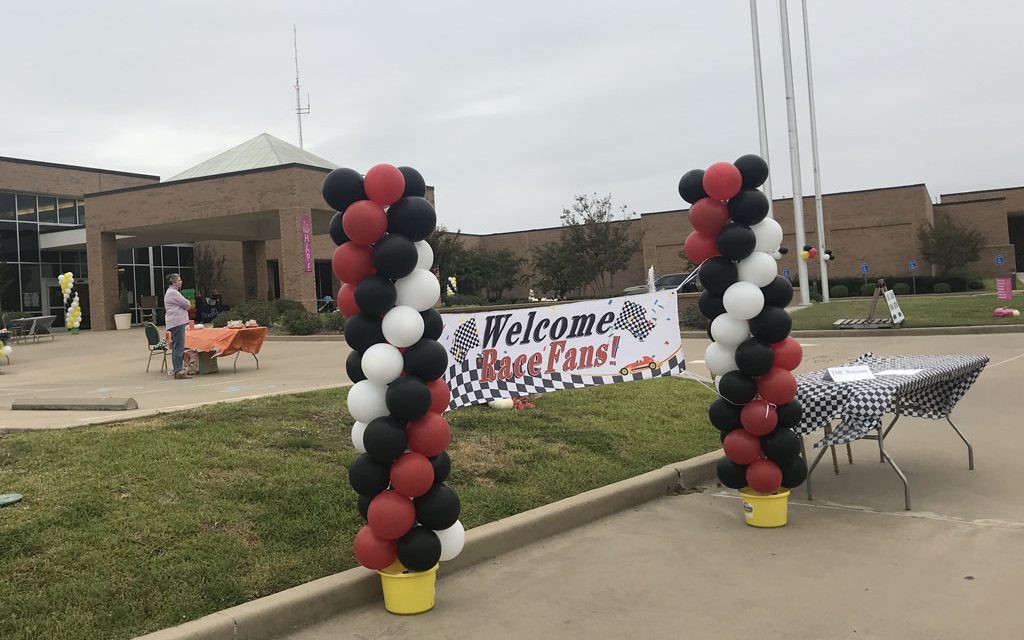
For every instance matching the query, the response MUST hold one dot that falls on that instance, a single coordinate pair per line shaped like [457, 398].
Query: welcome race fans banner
[502, 354]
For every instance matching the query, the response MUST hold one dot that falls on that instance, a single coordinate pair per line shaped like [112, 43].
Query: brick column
[101, 249]
[254, 270]
[296, 282]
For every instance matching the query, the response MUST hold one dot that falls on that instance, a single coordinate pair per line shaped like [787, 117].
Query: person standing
[176, 308]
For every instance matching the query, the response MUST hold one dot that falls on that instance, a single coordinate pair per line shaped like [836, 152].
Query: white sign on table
[850, 374]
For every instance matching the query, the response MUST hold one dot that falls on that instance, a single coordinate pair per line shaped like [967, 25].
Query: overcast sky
[511, 108]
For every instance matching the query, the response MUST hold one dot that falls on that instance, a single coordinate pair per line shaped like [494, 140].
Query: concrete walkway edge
[292, 609]
[892, 333]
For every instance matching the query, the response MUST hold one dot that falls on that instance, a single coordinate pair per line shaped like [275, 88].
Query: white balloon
[452, 540]
[769, 235]
[402, 326]
[358, 428]
[759, 268]
[382, 363]
[729, 330]
[419, 290]
[777, 255]
[78, 323]
[743, 300]
[366, 401]
[425, 255]
[7, 350]
[719, 359]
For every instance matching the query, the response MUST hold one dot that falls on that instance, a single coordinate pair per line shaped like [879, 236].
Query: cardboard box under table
[218, 343]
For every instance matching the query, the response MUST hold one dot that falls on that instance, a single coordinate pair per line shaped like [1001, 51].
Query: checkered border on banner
[467, 389]
[931, 393]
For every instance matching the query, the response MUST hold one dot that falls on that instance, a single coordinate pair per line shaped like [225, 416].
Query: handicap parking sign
[912, 265]
[863, 267]
[785, 272]
[999, 260]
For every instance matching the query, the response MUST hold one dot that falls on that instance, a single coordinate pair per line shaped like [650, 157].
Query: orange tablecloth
[224, 342]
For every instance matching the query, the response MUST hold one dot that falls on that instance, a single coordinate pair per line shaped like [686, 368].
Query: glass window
[188, 280]
[126, 284]
[81, 212]
[66, 211]
[47, 209]
[51, 270]
[6, 206]
[142, 281]
[142, 256]
[28, 241]
[9, 241]
[27, 208]
[51, 256]
[170, 256]
[157, 257]
[124, 256]
[31, 293]
[10, 292]
[185, 256]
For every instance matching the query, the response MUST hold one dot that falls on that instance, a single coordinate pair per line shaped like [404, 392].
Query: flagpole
[762, 126]
[820, 219]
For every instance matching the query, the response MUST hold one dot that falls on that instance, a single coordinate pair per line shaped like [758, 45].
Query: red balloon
[352, 262]
[429, 435]
[788, 353]
[440, 395]
[722, 181]
[412, 475]
[373, 552]
[700, 246]
[759, 418]
[365, 222]
[778, 386]
[384, 184]
[391, 515]
[741, 447]
[764, 476]
[812, 252]
[347, 300]
[709, 216]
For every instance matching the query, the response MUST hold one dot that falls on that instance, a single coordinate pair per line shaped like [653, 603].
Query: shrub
[691, 317]
[867, 289]
[284, 306]
[839, 291]
[941, 287]
[975, 284]
[333, 322]
[816, 296]
[301, 323]
[262, 311]
[464, 300]
[901, 288]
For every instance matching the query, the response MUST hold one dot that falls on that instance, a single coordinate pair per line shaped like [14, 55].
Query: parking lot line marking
[1005, 361]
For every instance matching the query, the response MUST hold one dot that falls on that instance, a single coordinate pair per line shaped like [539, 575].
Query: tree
[209, 269]
[496, 272]
[558, 273]
[449, 254]
[949, 245]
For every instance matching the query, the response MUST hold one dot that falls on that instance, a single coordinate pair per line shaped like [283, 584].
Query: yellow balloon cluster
[67, 283]
[5, 349]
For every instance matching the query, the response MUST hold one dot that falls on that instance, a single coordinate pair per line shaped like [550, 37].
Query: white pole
[820, 220]
[794, 157]
[762, 127]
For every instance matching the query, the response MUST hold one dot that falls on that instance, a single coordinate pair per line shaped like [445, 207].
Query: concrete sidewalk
[851, 564]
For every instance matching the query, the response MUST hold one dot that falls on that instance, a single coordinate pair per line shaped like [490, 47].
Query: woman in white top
[176, 308]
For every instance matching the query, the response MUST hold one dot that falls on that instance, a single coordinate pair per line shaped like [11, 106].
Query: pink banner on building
[307, 242]
[1004, 289]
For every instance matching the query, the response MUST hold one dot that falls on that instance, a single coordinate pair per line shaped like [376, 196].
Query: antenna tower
[299, 109]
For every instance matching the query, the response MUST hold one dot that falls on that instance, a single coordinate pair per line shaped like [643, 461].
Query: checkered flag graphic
[466, 338]
[633, 318]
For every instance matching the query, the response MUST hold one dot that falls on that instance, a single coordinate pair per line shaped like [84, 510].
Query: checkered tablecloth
[930, 393]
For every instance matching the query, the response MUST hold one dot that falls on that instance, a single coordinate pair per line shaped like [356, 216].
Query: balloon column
[752, 356]
[399, 396]
[73, 315]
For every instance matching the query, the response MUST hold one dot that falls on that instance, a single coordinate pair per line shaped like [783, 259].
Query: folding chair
[156, 346]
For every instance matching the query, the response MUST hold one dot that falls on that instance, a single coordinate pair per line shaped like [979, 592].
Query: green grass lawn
[920, 311]
[133, 527]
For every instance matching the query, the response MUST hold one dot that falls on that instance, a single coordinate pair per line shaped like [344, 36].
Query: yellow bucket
[409, 593]
[765, 509]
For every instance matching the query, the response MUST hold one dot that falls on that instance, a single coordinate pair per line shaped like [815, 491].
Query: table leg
[881, 436]
[849, 453]
[835, 460]
[817, 459]
[892, 463]
[970, 449]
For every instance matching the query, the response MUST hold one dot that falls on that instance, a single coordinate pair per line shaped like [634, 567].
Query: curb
[893, 333]
[316, 338]
[302, 606]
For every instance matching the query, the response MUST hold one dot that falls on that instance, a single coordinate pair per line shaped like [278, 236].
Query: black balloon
[771, 325]
[427, 359]
[781, 446]
[342, 187]
[438, 508]
[754, 170]
[367, 477]
[794, 474]
[736, 241]
[737, 388]
[384, 439]
[415, 185]
[363, 504]
[789, 414]
[778, 293]
[412, 217]
[710, 305]
[395, 256]
[408, 398]
[732, 475]
[433, 324]
[691, 186]
[419, 550]
[749, 206]
[337, 231]
[718, 274]
[754, 357]
[708, 331]
[375, 295]
[783, 250]
[362, 331]
[442, 464]
[354, 366]
[724, 415]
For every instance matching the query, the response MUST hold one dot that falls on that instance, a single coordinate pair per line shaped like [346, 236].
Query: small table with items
[217, 343]
[916, 386]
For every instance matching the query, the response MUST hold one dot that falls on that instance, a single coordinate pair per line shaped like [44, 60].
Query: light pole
[762, 127]
[820, 219]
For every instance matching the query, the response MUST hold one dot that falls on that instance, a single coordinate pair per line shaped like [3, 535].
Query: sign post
[864, 270]
[912, 265]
